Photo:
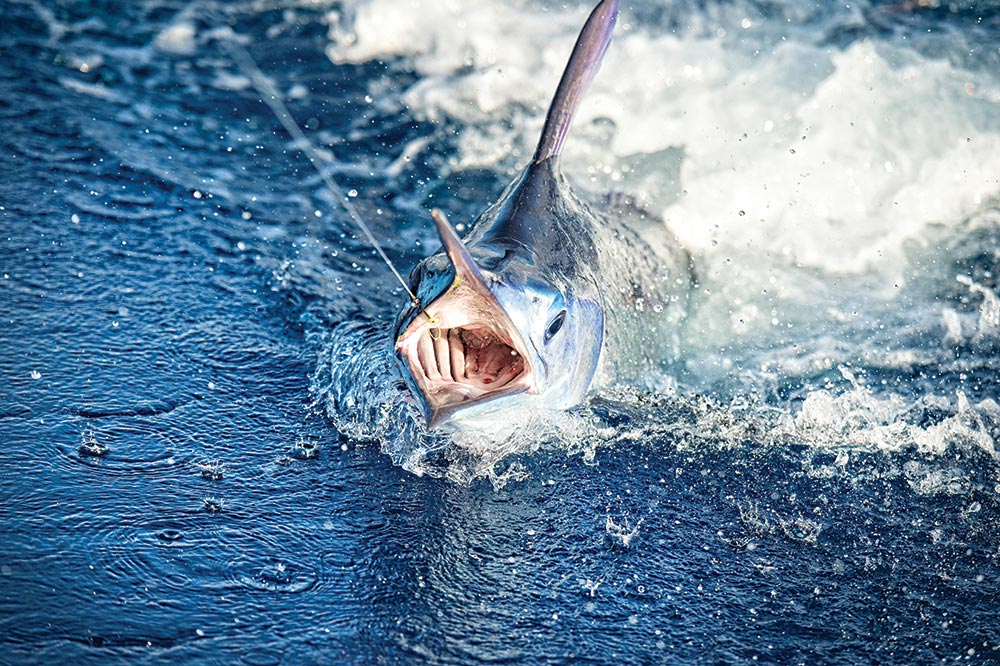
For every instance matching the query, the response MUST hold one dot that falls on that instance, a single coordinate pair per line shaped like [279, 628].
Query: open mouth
[471, 357]
[459, 365]
[463, 348]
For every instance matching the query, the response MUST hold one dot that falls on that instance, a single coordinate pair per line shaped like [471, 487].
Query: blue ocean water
[208, 456]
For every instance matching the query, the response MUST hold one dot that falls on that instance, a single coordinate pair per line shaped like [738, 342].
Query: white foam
[802, 176]
[988, 324]
[833, 157]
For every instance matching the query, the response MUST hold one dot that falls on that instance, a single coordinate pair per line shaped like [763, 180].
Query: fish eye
[555, 325]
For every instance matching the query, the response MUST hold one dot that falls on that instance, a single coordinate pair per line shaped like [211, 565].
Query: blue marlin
[547, 297]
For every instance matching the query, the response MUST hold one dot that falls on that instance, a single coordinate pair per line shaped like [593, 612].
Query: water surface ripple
[209, 457]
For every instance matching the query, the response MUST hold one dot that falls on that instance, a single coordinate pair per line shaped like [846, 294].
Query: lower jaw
[439, 412]
[456, 394]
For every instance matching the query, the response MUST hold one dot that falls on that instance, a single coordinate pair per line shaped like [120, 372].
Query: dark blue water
[207, 456]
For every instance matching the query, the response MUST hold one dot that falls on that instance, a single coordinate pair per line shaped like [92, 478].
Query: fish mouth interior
[465, 355]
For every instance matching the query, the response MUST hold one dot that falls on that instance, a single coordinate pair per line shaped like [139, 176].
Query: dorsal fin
[580, 70]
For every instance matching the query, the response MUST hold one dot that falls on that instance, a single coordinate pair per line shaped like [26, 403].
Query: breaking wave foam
[938, 445]
[832, 156]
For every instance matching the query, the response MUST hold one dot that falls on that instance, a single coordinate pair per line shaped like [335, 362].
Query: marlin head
[507, 331]
[463, 348]
[514, 313]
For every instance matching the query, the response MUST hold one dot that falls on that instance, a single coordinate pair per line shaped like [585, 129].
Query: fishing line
[275, 100]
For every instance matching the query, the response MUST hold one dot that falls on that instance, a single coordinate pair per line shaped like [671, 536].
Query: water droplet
[212, 471]
[169, 534]
[305, 449]
[89, 446]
